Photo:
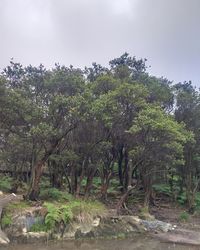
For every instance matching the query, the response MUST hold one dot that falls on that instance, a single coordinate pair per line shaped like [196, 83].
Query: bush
[182, 198]
[5, 183]
[81, 211]
[162, 188]
[54, 194]
[39, 227]
[85, 211]
[6, 220]
[57, 214]
[184, 216]
[96, 182]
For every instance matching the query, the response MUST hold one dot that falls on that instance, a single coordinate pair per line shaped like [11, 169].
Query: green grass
[85, 211]
[18, 205]
[6, 220]
[5, 183]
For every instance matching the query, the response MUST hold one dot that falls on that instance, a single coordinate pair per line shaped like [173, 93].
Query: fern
[77, 209]
[65, 213]
[53, 216]
[56, 214]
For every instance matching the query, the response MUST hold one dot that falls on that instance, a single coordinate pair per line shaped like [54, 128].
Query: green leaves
[74, 122]
[56, 214]
[160, 136]
[120, 105]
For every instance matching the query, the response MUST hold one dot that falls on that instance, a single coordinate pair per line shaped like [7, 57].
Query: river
[141, 243]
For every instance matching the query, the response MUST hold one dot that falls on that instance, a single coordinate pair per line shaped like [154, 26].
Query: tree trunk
[80, 180]
[147, 185]
[123, 199]
[37, 170]
[128, 171]
[73, 179]
[105, 185]
[89, 181]
[120, 160]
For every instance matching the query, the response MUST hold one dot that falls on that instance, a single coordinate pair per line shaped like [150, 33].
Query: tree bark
[123, 199]
[89, 181]
[37, 171]
[120, 160]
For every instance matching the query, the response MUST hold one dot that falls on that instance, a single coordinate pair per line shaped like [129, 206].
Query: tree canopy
[117, 123]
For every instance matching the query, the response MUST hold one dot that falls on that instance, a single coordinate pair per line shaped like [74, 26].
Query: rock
[147, 216]
[3, 238]
[181, 236]
[31, 237]
[22, 223]
[113, 227]
[1, 193]
[157, 225]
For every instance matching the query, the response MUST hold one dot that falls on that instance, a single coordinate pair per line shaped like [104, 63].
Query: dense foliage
[116, 123]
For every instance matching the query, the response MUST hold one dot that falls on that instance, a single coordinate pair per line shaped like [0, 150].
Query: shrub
[54, 194]
[81, 211]
[182, 198]
[96, 182]
[56, 214]
[85, 211]
[6, 220]
[38, 227]
[162, 188]
[184, 216]
[5, 183]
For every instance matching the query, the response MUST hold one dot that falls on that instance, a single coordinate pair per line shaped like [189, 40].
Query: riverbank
[33, 222]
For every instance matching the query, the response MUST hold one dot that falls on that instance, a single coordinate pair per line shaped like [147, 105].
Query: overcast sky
[79, 32]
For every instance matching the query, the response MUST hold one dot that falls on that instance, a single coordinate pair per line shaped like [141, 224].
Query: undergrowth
[53, 194]
[78, 210]
[5, 183]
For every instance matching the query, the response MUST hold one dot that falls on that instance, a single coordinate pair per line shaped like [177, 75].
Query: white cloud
[79, 32]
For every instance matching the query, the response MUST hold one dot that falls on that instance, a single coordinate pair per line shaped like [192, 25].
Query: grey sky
[79, 32]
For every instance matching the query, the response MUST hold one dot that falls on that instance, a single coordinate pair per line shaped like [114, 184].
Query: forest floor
[164, 209]
[172, 214]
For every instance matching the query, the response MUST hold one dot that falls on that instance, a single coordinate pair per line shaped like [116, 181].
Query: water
[140, 243]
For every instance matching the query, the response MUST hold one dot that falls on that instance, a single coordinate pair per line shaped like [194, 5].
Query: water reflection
[141, 243]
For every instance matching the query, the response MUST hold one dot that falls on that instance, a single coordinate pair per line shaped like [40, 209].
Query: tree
[158, 144]
[188, 111]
